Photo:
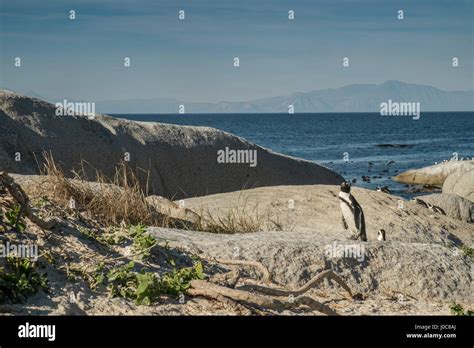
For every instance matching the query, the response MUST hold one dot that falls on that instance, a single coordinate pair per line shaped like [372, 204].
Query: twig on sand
[278, 303]
[23, 200]
[217, 296]
[310, 284]
[270, 296]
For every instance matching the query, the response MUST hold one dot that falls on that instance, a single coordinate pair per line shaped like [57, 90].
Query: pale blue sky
[192, 59]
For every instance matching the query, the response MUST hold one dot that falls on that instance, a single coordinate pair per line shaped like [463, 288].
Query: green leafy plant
[142, 241]
[122, 281]
[21, 280]
[468, 251]
[148, 289]
[94, 278]
[457, 309]
[95, 236]
[145, 287]
[178, 280]
[98, 276]
[14, 219]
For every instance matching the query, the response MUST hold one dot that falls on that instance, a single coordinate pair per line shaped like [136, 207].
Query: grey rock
[460, 183]
[181, 160]
[454, 206]
[435, 174]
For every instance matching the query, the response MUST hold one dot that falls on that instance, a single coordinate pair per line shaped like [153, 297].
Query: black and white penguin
[421, 202]
[352, 214]
[384, 189]
[435, 209]
[381, 235]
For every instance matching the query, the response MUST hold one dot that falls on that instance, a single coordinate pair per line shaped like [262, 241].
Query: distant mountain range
[350, 98]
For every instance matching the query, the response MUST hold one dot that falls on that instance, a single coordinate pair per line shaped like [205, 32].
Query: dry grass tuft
[234, 220]
[243, 217]
[110, 201]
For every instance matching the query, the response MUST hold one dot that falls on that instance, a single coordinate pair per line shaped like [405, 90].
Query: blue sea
[363, 138]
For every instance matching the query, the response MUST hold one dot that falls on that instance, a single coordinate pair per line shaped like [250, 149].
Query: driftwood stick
[266, 278]
[310, 284]
[230, 278]
[280, 303]
[21, 197]
[213, 295]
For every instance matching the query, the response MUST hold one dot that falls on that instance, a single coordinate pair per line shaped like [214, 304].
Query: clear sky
[192, 59]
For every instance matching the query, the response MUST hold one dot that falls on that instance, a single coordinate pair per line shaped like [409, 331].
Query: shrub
[142, 241]
[457, 309]
[21, 280]
[12, 218]
[146, 287]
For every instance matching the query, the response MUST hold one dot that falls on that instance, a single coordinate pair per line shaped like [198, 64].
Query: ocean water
[327, 138]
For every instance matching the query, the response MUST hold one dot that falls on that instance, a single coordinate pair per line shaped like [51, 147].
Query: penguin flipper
[362, 234]
[360, 222]
[344, 223]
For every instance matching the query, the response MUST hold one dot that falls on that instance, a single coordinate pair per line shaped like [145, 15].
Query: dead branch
[280, 303]
[229, 278]
[310, 284]
[279, 298]
[212, 295]
[22, 199]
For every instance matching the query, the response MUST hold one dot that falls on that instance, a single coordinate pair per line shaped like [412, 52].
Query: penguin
[384, 189]
[435, 209]
[421, 202]
[381, 235]
[352, 214]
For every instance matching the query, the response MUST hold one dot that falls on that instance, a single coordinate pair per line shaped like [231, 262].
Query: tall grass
[242, 217]
[236, 219]
[115, 200]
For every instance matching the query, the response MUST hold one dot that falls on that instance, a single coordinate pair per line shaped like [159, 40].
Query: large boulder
[435, 174]
[460, 183]
[179, 161]
[453, 205]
